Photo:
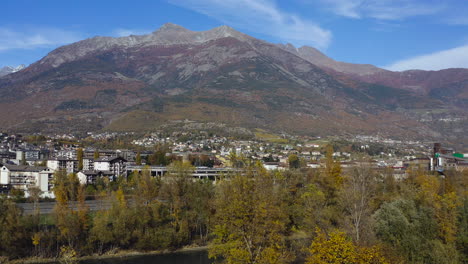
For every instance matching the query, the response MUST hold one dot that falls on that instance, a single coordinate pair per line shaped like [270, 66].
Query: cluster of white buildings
[24, 177]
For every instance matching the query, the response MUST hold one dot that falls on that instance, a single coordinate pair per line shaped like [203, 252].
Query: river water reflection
[193, 257]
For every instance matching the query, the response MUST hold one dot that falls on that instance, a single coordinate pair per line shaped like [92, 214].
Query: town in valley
[31, 160]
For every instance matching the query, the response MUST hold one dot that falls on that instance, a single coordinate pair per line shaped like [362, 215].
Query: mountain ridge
[168, 34]
[315, 56]
[222, 75]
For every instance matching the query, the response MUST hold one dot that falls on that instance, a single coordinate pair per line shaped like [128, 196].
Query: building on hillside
[442, 150]
[67, 154]
[446, 158]
[271, 165]
[127, 154]
[67, 164]
[88, 164]
[274, 166]
[90, 177]
[102, 153]
[443, 162]
[116, 165]
[24, 177]
[6, 155]
[19, 157]
[31, 154]
[313, 165]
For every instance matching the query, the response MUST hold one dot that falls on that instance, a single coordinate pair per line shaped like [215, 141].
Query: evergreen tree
[79, 156]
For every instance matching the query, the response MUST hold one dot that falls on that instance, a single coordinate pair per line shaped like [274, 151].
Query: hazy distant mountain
[9, 69]
[139, 82]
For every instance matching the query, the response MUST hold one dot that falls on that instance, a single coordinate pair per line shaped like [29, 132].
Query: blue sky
[395, 34]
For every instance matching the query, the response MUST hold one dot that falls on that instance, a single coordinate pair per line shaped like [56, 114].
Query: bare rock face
[222, 75]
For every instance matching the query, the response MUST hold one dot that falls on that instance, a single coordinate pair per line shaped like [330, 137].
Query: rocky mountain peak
[313, 52]
[171, 27]
[167, 34]
[288, 47]
[225, 32]
[10, 69]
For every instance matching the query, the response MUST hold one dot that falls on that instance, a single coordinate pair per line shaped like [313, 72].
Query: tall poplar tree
[79, 157]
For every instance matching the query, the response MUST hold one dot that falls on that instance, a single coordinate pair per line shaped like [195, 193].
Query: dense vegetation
[319, 216]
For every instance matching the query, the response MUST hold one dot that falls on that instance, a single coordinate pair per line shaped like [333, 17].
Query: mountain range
[137, 83]
[10, 69]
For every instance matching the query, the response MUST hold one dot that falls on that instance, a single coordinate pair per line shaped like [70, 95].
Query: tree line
[329, 215]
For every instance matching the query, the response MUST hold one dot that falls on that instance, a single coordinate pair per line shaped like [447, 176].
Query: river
[188, 257]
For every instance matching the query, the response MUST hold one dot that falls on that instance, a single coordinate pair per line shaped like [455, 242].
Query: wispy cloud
[458, 20]
[123, 32]
[383, 9]
[451, 58]
[264, 17]
[35, 38]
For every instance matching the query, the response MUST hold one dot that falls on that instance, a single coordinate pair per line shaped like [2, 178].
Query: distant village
[31, 161]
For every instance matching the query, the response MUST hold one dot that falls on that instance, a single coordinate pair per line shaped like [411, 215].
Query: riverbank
[118, 254]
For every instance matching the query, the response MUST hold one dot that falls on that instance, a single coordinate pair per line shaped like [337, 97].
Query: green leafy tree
[13, 235]
[294, 161]
[178, 191]
[113, 227]
[410, 230]
[462, 236]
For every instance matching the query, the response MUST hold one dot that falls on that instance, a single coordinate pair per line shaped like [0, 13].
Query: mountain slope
[140, 82]
[316, 57]
[450, 85]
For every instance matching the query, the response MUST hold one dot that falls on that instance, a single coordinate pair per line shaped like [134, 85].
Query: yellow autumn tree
[333, 179]
[249, 225]
[336, 248]
[445, 205]
[447, 214]
[72, 225]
